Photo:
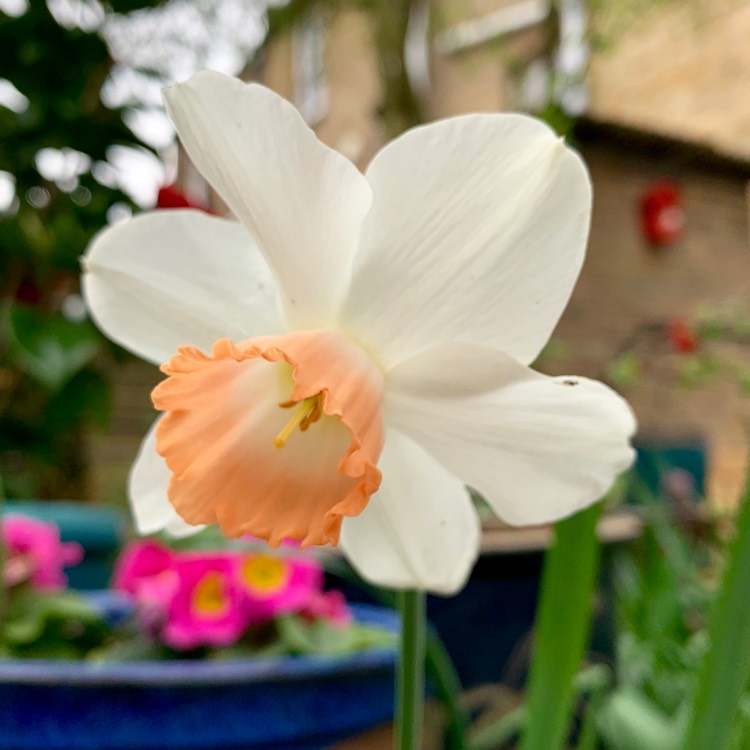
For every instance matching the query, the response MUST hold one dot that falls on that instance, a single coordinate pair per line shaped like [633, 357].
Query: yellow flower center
[308, 410]
[264, 574]
[209, 596]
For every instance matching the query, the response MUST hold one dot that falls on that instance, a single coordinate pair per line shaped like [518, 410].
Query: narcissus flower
[353, 351]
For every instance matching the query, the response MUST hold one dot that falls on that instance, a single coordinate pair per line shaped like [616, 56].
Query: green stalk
[410, 672]
[562, 630]
[438, 664]
[726, 668]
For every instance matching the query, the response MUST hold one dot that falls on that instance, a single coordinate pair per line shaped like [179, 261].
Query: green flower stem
[562, 630]
[726, 668]
[410, 672]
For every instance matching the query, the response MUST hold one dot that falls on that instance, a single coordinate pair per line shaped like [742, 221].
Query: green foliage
[715, 722]
[625, 371]
[49, 349]
[662, 607]
[300, 636]
[54, 370]
[288, 635]
[695, 371]
[51, 625]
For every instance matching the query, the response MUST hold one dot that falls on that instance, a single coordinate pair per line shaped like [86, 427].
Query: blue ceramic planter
[296, 703]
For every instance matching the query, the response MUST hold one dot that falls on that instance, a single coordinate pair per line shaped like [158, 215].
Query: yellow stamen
[307, 412]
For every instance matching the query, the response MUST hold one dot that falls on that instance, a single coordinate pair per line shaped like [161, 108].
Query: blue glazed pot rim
[202, 672]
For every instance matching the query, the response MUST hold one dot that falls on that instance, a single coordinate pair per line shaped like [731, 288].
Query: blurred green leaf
[628, 721]
[53, 623]
[723, 678]
[50, 349]
[56, 393]
[88, 394]
[321, 637]
[695, 370]
[131, 646]
[562, 629]
[625, 371]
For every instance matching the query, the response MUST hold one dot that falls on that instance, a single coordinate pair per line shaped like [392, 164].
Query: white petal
[147, 490]
[537, 448]
[477, 233]
[172, 278]
[302, 202]
[420, 530]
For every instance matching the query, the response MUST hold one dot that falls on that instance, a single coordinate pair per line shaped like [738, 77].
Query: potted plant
[189, 649]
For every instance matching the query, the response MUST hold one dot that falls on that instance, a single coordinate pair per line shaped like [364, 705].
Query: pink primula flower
[140, 561]
[145, 570]
[275, 585]
[35, 547]
[207, 608]
[191, 599]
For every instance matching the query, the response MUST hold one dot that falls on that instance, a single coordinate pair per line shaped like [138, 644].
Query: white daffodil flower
[354, 350]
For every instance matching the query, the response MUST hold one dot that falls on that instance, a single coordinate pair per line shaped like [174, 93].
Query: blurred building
[660, 94]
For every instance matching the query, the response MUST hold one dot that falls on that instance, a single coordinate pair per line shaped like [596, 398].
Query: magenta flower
[207, 608]
[275, 585]
[191, 599]
[140, 561]
[145, 571]
[34, 546]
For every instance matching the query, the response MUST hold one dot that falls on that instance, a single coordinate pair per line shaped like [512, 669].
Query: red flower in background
[171, 196]
[662, 215]
[681, 336]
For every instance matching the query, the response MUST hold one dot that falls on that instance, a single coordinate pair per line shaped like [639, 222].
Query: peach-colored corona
[277, 436]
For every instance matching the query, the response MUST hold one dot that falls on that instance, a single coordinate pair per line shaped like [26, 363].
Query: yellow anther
[308, 410]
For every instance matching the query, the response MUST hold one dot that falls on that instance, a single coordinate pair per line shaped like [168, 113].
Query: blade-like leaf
[562, 630]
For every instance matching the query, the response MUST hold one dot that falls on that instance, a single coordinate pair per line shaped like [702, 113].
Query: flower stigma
[308, 411]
